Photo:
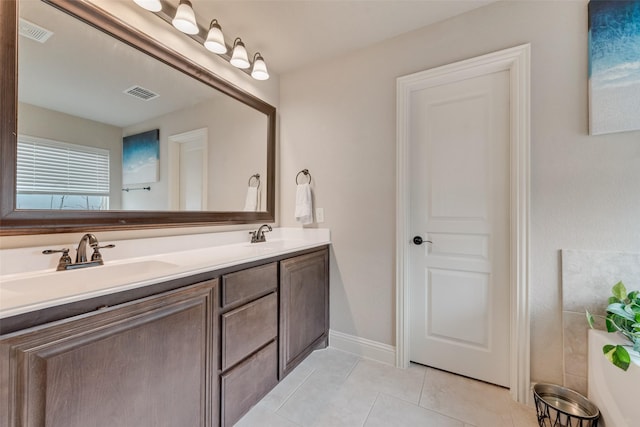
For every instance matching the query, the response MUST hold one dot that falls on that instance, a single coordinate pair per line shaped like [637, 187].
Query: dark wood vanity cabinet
[304, 307]
[150, 362]
[249, 336]
[199, 355]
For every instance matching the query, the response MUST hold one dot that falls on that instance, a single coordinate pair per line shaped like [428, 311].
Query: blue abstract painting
[614, 66]
[141, 157]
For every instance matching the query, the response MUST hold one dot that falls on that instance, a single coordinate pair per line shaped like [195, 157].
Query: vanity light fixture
[150, 5]
[185, 19]
[239, 56]
[259, 71]
[215, 39]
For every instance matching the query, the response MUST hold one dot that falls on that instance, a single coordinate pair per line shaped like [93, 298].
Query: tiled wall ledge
[587, 279]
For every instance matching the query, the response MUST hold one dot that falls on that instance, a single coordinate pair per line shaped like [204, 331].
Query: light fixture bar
[167, 14]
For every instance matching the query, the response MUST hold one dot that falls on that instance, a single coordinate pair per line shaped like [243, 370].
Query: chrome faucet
[81, 254]
[258, 235]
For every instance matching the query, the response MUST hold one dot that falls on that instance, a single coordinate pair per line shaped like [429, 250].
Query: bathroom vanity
[192, 350]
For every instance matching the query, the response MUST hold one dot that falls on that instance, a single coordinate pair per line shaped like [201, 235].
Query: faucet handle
[97, 256]
[65, 259]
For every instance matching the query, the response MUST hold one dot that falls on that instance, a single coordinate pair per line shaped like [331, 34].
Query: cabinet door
[247, 383]
[149, 362]
[304, 307]
[247, 328]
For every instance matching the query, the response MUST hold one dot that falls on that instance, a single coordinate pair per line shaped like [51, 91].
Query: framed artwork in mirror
[141, 157]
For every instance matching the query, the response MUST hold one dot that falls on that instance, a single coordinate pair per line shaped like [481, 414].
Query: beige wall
[338, 120]
[49, 124]
[237, 149]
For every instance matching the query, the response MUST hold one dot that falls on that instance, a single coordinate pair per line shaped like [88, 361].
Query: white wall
[338, 120]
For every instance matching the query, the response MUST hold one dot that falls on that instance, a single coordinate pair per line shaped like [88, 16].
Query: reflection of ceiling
[80, 72]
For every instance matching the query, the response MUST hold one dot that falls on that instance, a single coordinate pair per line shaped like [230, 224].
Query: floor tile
[474, 402]
[285, 388]
[389, 411]
[405, 384]
[262, 415]
[332, 388]
[523, 415]
[322, 392]
[333, 362]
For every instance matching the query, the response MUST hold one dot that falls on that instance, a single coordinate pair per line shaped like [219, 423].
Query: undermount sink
[53, 284]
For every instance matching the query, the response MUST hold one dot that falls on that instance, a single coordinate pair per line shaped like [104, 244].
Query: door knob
[418, 240]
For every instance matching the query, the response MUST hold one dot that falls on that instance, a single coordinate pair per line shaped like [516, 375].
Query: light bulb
[185, 19]
[150, 5]
[259, 71]
[239, 57]
[215, 39]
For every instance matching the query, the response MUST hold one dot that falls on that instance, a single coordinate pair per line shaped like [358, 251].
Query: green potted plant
[623, 316]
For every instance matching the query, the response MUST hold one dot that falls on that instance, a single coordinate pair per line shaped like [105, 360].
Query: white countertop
[29, 282]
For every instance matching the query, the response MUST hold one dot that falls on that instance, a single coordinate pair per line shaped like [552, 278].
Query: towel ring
[306, 173]
[257, 178]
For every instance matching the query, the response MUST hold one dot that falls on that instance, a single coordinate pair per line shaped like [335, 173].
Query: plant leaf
[619, 291]
[617, 355]
[611, 324]
[589, 319]
[619, 309]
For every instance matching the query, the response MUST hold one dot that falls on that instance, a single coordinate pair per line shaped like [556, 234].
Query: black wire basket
[558, 406]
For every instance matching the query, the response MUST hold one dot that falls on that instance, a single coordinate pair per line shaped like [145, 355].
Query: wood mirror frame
[21, 222]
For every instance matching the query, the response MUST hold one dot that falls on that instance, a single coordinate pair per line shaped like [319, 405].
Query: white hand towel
[251, 201]
[304, 208]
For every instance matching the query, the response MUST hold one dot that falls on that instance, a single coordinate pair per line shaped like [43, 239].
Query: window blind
[53, 167]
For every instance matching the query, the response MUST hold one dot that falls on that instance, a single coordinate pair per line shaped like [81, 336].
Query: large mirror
[113, 130]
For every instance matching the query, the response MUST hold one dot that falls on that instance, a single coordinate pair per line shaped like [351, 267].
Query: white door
[459, 190]
[188, 170]
[191, 176]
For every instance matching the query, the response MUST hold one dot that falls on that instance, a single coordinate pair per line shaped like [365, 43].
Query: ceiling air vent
[141, 93]
[33, 31]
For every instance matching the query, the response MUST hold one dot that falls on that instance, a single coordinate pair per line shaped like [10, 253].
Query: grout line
[371, 409]
[286, 399]
[352, 368]
[287, 419]
[424, 380]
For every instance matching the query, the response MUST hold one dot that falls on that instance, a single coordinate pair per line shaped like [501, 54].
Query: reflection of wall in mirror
[49, 124]
[237, 150]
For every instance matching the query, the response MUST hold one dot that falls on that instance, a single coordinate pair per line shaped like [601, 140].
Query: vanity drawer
[247, 284]
[247, 328]
[246, 384]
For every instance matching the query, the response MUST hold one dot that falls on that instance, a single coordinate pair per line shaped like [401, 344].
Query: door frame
[516, 61]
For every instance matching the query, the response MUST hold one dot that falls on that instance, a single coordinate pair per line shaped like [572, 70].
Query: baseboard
[363, 347]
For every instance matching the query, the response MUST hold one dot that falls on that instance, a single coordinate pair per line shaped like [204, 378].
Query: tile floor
[332, 388]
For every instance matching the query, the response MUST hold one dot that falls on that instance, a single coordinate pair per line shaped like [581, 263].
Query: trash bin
[558, 406]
